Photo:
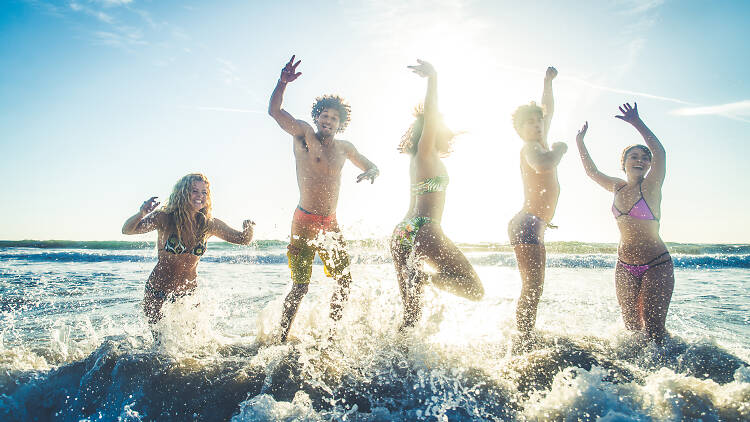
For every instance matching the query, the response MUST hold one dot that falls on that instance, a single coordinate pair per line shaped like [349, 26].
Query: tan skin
[319, 159]
[541, 191]
[454, 272]
[176, 274]
[644, 302]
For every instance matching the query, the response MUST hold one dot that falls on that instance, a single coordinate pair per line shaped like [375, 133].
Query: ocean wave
[384, 378]
[365, 257]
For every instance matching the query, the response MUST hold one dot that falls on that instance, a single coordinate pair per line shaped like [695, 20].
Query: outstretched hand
[582, 132]
[551, 74]
[149, 205]
[289, 72]
[370, 174]
[629, 114]
[423, 69]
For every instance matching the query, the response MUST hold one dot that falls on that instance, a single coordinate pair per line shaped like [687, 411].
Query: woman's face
[198, 195]
[637, 162]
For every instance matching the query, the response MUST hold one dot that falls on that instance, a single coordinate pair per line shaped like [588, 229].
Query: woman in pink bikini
[644, 275]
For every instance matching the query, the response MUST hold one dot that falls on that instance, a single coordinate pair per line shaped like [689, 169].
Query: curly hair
[336, 103]
[523, 112]
[179, 210]
[410, 139]
[630, 148]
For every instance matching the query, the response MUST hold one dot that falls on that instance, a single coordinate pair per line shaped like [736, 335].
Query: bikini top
[640, 210]
[175, 246]
[431, 184]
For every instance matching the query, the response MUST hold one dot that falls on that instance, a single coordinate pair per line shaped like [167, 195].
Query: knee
[476, 293]
[299, 290]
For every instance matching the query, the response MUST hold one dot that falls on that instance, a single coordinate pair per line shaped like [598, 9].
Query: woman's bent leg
[455, 272]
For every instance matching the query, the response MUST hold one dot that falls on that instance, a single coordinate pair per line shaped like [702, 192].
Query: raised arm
[607, 182]
[144, 220]
[426, 144]
[370, 169]
[548, 101]
[659, 160]
[222, 230]
[285, 120]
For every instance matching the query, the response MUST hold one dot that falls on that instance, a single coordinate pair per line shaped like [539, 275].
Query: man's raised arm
[548, 100]
[287, 122]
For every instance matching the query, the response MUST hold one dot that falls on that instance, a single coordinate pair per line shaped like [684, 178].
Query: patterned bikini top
[175, 246]
[431, 184]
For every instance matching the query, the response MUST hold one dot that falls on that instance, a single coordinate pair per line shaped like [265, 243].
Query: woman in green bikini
[184, 225]
[419, 237]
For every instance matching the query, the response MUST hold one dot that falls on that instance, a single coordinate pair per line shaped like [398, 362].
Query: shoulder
[161, 218]
[346, 146]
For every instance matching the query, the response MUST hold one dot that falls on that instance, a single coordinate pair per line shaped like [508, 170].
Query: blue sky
[107, 102]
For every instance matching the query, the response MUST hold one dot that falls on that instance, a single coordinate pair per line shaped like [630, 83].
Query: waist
[304, 216]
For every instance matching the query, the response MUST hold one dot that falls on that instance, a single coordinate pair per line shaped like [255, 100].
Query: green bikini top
[175, 246]
[431, 184]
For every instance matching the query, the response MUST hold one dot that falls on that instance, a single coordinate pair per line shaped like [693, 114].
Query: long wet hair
[410, 139]
[630, 148]
[179, 210]
[333, 102]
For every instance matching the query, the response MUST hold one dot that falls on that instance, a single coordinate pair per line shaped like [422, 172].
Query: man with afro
[319, 159]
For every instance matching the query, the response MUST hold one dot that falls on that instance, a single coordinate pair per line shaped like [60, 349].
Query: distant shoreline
[570, 247]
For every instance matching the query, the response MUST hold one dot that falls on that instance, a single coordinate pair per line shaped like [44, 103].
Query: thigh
[658, 284]
[531, 258]
[334, 255]
[300, 255]
[435, 247]
[627, 286]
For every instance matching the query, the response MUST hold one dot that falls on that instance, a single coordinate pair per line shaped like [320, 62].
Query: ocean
[75, 345]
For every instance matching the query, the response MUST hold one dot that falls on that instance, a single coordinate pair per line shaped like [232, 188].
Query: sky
[105, 103]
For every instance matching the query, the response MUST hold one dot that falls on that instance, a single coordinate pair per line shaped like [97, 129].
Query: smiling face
[198, 195]
[636, 161]
[328, 122]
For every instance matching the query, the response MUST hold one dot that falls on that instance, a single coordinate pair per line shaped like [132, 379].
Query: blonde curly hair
[179, 210]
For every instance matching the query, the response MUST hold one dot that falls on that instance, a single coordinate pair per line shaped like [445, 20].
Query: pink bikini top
[640, 210]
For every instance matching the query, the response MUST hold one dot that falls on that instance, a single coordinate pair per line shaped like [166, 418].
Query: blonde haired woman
[184, 225]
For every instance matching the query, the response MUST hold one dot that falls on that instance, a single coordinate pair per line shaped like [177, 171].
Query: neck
[324, 139]
[634, 180]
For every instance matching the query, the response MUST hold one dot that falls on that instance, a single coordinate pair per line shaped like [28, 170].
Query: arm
[659, 160]
[607, 182]
[542, 161]
[548, 101]
[137, 224]
[285, 120]
[426, 146]
[221, 230]
[370, 169]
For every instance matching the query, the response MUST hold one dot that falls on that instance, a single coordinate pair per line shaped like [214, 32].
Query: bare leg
[340, 296]
[628, 291]
[455, 273]
[410, 283]
[655, 294]
[531, 264]
[291, 305]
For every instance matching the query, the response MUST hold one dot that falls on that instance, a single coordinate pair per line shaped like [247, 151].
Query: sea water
[75, 345]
